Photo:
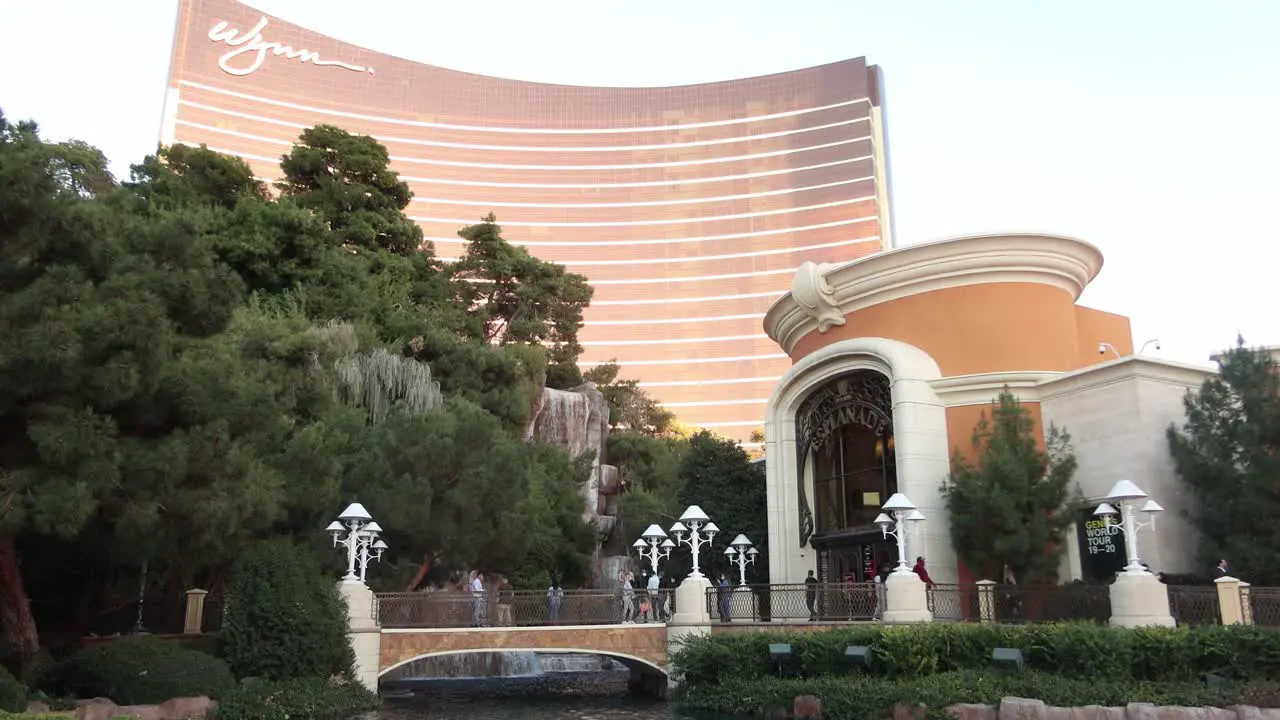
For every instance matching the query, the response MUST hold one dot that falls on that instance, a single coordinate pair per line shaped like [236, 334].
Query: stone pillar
[193, 623]
[691, 617]
[986, 600]
[1230, 600]
[907, 599]
[1246, 603]
[1140, 600]
[363, 632]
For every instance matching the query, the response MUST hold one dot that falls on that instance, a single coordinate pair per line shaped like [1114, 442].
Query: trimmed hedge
[13, 694]
[862, 696]
[283, 617]
[143, 671]
[297, 699]
[1082, 651]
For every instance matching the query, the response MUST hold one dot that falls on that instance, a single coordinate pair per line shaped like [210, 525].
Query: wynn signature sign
[249, 50]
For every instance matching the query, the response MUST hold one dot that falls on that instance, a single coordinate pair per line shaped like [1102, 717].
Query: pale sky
[1150, 128]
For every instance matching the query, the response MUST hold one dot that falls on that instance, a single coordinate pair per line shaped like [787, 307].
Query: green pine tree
[1226, 455]
[1010, 506]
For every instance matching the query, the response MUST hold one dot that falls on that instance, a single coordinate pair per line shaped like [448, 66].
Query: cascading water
[473, 665]
[578, 421]
[503, 665]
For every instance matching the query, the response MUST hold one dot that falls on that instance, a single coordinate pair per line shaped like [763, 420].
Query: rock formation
[578, 421]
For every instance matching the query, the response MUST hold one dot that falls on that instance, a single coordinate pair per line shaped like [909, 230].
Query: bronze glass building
[688, 208]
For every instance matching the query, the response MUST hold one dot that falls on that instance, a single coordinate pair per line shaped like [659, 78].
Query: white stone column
[1140, 600]
[907, 599]
[924, 462]
[363, 632]
[691, 618]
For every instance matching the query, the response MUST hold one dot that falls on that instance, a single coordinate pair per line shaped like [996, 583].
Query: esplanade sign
[249, 49]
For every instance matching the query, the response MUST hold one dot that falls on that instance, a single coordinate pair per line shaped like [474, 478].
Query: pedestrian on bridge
[477, 599]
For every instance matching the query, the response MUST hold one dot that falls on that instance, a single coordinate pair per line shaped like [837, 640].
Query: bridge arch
[632, 662]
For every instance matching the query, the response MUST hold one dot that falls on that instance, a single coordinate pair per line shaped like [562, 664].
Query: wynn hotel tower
[688, 208]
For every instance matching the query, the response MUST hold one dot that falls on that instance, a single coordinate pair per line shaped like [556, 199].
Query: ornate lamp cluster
[695, 530]
[897, 513]
[355, 531]
[1126, 494]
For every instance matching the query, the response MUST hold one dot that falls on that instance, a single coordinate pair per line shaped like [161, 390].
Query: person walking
[655, 596]
[722, 595]
[811, 596]
[555, 598]
[628, 598]
[506, 597]
[477, 599]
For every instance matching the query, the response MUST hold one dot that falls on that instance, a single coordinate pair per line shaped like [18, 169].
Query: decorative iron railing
[1263, 605]
[813, 602]
[447, 609]
[1195, 604]
[954, 602]
[1016, 604]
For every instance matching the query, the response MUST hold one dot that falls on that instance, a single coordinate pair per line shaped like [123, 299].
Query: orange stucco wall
[987, 328]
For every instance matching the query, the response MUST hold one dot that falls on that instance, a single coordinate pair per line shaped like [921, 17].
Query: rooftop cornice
[823, 295]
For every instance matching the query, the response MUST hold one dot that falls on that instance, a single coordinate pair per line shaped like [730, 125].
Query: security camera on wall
[1102, 348]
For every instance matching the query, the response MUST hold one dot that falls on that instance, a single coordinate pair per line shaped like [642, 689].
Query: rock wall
[578, 421]
[1021, 709]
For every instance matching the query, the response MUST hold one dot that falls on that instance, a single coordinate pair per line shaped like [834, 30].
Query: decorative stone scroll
[815, 296]
[860, 398]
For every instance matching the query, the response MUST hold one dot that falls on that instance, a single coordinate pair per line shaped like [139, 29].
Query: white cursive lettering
[254, 49]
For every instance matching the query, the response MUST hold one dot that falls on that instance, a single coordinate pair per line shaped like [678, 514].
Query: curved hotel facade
[688, 208]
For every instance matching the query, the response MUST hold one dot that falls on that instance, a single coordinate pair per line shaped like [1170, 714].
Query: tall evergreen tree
[1226, 453]
[1010, 501]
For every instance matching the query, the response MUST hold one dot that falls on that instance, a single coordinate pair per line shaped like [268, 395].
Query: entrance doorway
[846, 429]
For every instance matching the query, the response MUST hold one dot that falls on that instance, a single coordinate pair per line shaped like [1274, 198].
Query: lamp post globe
[1121, 502]
[357, 534]
[897, 511]
[695, 529]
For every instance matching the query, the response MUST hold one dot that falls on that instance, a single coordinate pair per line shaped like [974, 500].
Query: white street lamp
[741, 553]
[690, 529]
[654, 545]
[361, 541]
[898, 511]
[1126, 494]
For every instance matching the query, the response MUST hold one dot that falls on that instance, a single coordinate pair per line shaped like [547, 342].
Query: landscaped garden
[940, 665]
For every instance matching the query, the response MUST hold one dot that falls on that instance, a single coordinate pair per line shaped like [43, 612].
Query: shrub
[1072, 650]
[863, 696]
[283, 617]
[143, 671]
[13, 694]
[297, 699]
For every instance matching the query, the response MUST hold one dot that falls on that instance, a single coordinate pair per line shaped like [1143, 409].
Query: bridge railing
[448, 609]
[813, 602]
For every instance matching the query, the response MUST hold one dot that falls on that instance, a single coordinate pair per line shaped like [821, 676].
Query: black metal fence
[1017, 604]
[447, 609]
[1195, 604]
[1263, 605]
[813, 602]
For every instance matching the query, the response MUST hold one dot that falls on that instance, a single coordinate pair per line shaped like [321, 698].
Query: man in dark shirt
[1220, 570]
[811, 596]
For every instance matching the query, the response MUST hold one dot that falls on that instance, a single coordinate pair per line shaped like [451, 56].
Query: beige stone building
[895, 356]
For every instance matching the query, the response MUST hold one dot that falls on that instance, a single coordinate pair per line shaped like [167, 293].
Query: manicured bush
[864, 696]
[143, 671]
[13, 694]
[297, 699]
[283, 617]
[1071, 650]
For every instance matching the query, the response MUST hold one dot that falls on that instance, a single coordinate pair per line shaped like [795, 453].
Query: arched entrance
[921, 452]
[846, 448]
